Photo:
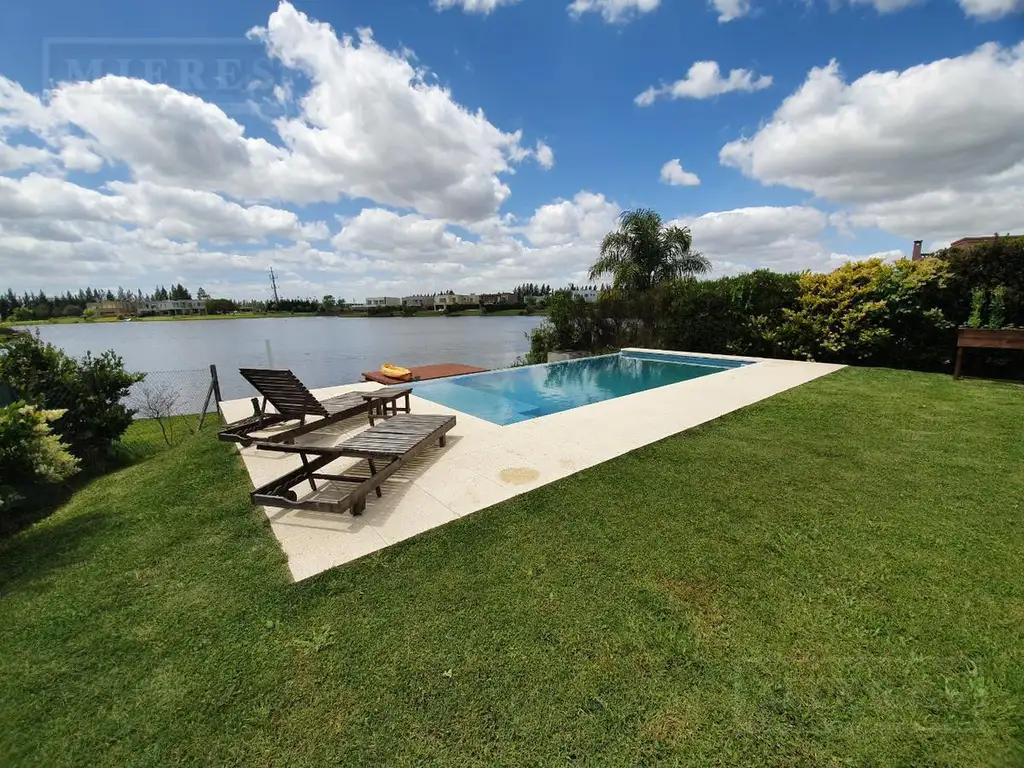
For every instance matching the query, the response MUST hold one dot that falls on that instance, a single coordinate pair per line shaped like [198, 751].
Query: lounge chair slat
[291, 400]
[375, 443]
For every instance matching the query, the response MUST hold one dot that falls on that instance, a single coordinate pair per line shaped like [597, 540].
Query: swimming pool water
[520, 394]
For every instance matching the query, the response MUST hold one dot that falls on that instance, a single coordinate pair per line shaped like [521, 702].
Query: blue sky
[791, 135]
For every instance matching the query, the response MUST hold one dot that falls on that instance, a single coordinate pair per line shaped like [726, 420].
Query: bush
[985, 267]
[219, 306]
[452, 309]
[869, 312]
[30, 454]
[88, 390]
[21, 314]
[72, 310]
[486, 309]
[873, 313]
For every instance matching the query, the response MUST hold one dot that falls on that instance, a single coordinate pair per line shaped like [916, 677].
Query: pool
[519, 394]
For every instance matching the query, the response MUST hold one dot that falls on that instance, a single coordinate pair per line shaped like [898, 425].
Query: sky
[389, 147]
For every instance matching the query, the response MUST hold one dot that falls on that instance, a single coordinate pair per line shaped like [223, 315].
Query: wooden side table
[386, 399]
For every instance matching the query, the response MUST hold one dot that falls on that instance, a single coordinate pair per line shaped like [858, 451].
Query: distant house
[383, 301]
[963, 242]
[111, 308]
[418, 302]
[443, 300]
[970, 242]
[497, 299]
[172, 307]
[588, 293]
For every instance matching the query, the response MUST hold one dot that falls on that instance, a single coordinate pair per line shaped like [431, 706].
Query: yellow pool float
[396, 372]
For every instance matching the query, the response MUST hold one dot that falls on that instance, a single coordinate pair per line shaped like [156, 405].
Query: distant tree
[160, 294]
[21, 314]
[220, 306]
[72, 310]
[179, 293]
[202, 295]
[329, 304]
[644, 252]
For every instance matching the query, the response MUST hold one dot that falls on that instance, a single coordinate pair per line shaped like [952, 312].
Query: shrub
[72, 310]
[486, 309]
[867, 312]
[88, 390]
[21, 314]
[453, 309]
[219, 306]
[873, 313]
[30, 454]
[988, 266]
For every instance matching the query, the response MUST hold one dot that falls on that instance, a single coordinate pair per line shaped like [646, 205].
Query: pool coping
[486, 463]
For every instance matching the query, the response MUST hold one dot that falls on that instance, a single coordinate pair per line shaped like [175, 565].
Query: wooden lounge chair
[293, 402]
[395, 441]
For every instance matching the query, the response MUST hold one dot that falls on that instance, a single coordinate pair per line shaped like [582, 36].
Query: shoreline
[259, 316]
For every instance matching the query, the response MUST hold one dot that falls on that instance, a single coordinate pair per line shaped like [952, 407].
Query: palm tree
[643, 252]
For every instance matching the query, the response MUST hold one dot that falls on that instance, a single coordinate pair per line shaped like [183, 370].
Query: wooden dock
[426, 373]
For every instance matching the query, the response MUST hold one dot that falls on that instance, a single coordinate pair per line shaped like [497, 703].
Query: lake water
[322, 351]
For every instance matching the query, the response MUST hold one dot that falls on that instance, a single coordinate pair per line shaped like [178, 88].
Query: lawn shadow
[41, 501]
[44, 549]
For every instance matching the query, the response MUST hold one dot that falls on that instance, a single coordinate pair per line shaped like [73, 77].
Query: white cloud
[472, 6]
[613, 11]
[926, 151]
[989, 10]
[780, 238]
[703, 81]
[189, 214]
[586, 218]
[562, 241]
[384, 234]
[672, 173]
[730, 10]
[545, 156]
[371, 125]
[981, 10]
[887, 6]
[167, 212]
[942, 216]
[14, 157]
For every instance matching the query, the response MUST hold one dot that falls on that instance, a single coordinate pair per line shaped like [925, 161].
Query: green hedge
[900, 315]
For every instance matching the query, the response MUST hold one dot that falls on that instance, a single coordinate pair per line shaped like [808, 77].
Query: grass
[831, 577]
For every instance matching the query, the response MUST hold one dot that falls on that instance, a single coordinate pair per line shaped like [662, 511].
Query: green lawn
[831, 577]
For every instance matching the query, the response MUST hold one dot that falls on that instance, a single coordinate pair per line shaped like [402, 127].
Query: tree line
[42, 306]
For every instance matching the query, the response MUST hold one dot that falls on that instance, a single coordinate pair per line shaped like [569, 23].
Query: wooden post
[212, 392]
[216, 384]
[959, 362]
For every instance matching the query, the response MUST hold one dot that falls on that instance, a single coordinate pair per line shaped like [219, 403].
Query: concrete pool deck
[484, 463]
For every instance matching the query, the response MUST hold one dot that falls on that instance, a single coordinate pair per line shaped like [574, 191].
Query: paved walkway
[484, 464]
